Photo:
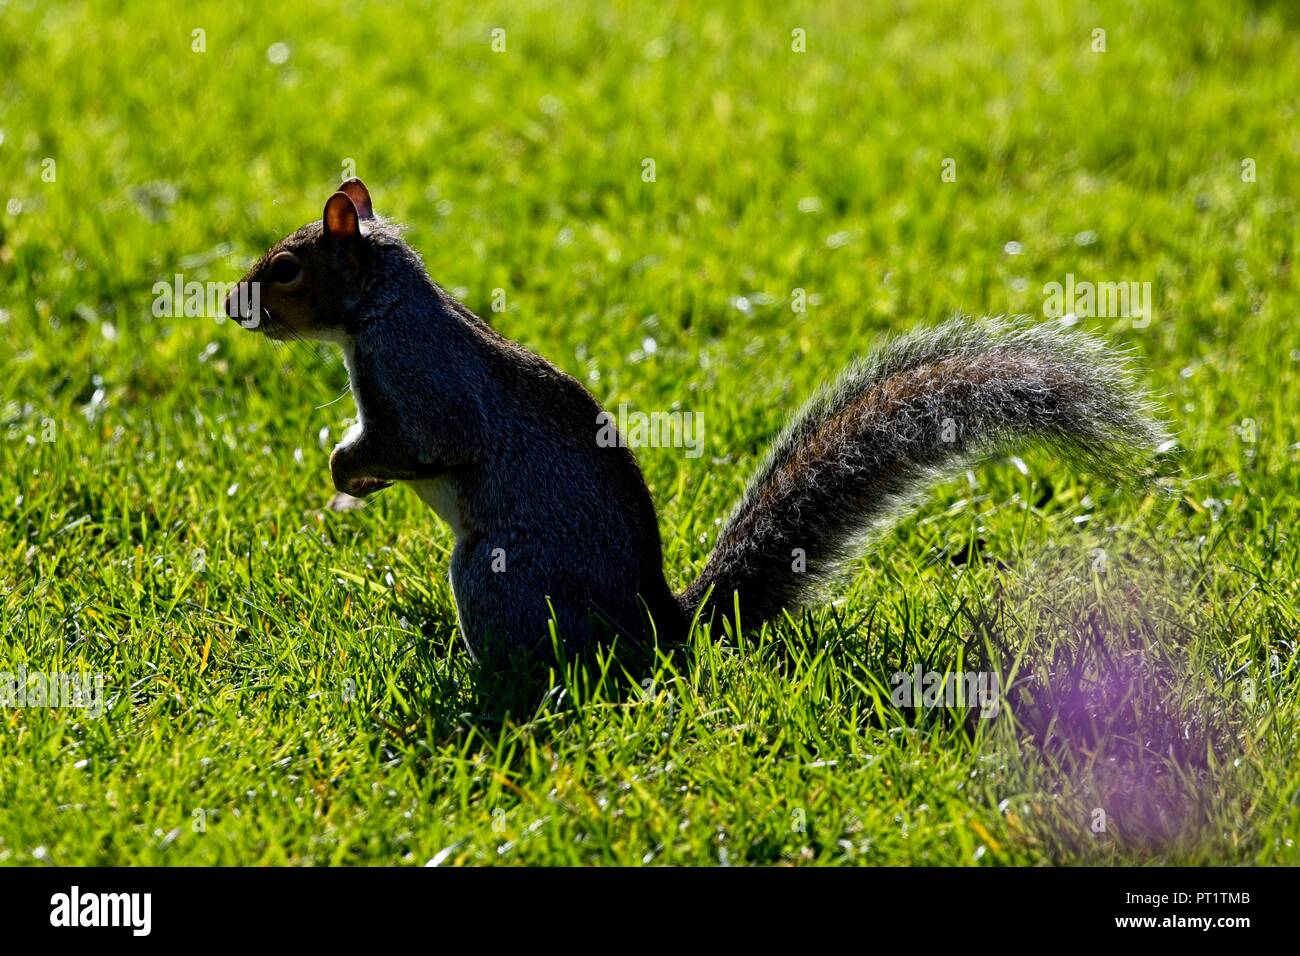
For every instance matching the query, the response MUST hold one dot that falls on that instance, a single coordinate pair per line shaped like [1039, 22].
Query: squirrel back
[556, 529]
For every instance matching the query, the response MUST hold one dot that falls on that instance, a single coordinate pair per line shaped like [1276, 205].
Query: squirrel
[554, 527]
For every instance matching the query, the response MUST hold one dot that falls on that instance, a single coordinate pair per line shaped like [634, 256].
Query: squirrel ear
[341, 217]
[360, 197]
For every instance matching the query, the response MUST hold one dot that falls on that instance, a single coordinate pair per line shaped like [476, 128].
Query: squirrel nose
[244, 305]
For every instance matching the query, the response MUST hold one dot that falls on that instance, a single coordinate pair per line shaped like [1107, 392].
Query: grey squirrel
[551, 525]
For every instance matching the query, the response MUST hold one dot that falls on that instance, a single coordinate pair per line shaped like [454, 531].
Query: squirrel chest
[440, 495]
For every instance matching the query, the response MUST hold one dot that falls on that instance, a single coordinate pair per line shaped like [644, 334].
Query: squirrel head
[311, 284]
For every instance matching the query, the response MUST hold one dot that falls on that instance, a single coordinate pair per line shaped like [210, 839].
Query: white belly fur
[440, 495]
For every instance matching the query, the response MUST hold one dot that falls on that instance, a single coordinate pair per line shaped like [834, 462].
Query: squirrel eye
[285, 270]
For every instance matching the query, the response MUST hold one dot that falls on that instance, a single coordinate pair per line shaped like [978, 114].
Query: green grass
[286, 684]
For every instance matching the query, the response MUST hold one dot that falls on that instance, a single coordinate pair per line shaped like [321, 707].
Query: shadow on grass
[1128, 744]
[1125, 743]
[455, 692]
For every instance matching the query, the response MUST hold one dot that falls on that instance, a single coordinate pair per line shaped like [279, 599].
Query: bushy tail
[923, 406]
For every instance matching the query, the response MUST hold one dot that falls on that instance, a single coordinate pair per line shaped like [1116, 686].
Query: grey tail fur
[920, 408]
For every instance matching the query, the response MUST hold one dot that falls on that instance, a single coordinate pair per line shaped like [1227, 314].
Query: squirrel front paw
[361, 487]
[348, 480]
